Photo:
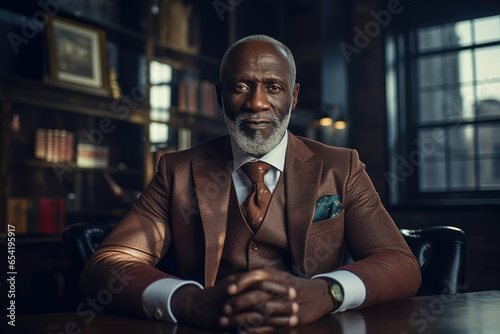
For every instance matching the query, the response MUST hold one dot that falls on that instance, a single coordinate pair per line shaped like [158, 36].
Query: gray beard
[256, 146]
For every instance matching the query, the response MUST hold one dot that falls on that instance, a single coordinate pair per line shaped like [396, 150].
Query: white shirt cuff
[157, 297]
[353, 286]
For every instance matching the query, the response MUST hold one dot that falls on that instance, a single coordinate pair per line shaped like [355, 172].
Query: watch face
[337, 290]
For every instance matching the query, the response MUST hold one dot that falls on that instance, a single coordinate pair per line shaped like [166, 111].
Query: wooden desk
[477, 312]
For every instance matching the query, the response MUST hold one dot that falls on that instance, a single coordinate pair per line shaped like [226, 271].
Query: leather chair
[440, 251]
[81, 241]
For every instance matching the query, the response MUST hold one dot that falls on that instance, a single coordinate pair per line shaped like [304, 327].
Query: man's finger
[259, 300]
[273, 308]
[246, 301]
[247, 279]
[277, 290]
[255, 276]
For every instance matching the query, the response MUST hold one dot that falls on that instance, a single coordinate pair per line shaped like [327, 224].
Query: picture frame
[77, 55]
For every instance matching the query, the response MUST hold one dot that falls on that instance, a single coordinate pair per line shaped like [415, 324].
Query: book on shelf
[198, 98]
[41, 144]
[192, 97]
[209, 106]
[50, 146]
[42, 215]
[55, 149]
[54, 145]
[69, 148]
[17, 214]
[92, 156]
[52, 213]
[181, 103]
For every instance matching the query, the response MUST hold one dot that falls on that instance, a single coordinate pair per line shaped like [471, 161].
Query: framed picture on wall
[77, 54]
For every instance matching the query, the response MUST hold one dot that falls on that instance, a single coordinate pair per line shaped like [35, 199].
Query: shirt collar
[276, 157]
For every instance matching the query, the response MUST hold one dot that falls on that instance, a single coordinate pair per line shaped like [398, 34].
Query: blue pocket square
[327, 207]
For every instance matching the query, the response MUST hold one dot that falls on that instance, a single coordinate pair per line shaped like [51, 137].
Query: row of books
[43, 215]
[198, 98]
[92, 156]
[54, 145]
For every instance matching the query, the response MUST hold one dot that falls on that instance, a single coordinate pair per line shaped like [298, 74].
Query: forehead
[259, 57]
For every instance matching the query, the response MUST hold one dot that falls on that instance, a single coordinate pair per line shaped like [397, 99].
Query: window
[160, 93]
[446, 100]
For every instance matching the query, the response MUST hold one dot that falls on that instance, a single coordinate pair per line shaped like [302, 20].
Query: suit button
[158, 314]
[255, 247]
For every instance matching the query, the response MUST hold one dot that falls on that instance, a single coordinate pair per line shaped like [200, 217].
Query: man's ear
[218, 91]
[295, 96]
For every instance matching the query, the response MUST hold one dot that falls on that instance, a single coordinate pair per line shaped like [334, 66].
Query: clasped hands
[257, 301]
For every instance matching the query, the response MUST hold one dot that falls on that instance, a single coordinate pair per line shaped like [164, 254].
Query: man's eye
[275, 88]
[240, 87]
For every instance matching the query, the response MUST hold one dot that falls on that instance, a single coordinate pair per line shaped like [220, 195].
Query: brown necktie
[255, 206]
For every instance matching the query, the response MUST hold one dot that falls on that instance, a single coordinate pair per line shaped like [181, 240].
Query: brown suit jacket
[184, 210]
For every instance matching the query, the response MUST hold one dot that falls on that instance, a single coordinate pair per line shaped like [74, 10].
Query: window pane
[452, 105]
[465, 66]
[160, 97]
[158, 133]
[489, 170]
[160, 73]
[458, 103]
[461, 140]
[463, 176]
[431, 106]
[432, 177]
[487, 29]
[488, 96]
[429, 38]
[488, 63]
[159, 115]
[452, 68]
[430, 70]
[463, 32]
[450, 38]
[489, 139]
[430, 144]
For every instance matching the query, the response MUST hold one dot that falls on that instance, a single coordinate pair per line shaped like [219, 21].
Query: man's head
[257, 92]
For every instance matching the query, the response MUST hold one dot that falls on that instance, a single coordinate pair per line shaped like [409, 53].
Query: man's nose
[257, 100]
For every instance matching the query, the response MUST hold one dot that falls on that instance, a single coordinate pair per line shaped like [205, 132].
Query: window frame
[402, 124]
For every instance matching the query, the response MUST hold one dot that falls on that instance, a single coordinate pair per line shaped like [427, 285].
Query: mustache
[250, 115]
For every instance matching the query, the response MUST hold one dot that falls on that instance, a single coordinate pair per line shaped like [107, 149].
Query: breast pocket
[324, 245]
[335, 224]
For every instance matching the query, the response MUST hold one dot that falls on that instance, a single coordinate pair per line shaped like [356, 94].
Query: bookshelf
[108, 141]
[73, 170]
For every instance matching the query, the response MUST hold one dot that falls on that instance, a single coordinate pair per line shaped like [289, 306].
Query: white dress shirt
[156, 298]
[275, 158]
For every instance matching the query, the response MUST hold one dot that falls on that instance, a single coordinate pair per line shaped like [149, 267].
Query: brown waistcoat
[267, 247]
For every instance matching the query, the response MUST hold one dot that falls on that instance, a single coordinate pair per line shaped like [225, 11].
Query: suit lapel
[212, 178]
[302, 179]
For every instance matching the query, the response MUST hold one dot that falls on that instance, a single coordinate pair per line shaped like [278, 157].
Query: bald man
[282, 267]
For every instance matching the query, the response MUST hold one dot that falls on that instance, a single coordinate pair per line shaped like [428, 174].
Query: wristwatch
[335, 291]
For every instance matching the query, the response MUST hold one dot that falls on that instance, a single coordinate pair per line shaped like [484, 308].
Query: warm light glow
[339, 125]
[327, 121]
